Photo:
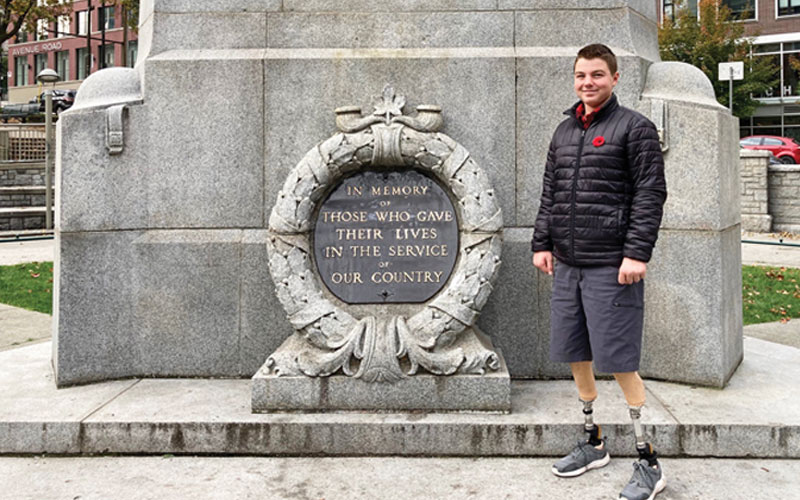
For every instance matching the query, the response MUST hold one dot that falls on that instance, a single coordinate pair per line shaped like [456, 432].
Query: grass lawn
[768, 293]
[29, 286]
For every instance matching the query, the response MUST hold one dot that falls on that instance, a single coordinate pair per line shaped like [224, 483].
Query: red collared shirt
[586, 118]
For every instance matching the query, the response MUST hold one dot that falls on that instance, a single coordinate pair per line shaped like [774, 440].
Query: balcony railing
[22, 142]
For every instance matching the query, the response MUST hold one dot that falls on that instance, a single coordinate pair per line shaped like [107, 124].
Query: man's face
[594, 82]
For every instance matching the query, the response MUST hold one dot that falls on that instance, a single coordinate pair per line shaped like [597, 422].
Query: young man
[602, 199]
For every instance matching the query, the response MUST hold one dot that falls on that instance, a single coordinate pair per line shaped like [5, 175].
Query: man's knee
[632, 387]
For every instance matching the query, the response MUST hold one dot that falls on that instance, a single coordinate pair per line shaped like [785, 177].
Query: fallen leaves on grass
[770, 294]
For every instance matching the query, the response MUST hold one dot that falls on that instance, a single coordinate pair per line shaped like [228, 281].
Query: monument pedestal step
[757, 415]
[490, 392]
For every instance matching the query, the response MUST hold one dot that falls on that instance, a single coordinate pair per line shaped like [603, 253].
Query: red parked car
[786, 149]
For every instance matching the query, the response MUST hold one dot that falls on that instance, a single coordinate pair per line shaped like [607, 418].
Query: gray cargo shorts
[594, 318]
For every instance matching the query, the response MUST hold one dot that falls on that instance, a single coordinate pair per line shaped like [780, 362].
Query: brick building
[775, 26]
[62, 46]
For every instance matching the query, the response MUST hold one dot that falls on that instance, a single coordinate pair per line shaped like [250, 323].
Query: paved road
[129, 478]
[768, 254]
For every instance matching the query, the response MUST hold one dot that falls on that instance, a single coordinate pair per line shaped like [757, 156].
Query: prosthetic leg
[587, 393]
[633, 388]
[648, 477]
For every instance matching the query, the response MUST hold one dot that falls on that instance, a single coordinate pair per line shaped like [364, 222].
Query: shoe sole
[659, 487]
[591, 465]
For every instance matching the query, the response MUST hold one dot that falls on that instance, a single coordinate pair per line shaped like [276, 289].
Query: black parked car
[62, 99]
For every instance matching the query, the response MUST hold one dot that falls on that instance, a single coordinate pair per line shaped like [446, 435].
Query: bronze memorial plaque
[385, 237]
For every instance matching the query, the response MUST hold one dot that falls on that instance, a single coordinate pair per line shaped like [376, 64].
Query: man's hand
[543, 261]
[631, 271]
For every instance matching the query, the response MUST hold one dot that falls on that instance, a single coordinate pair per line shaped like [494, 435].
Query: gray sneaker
[582, 458]
[645, 483]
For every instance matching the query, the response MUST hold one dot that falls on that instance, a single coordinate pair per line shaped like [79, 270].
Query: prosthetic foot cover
[595, 435]
[647, 452]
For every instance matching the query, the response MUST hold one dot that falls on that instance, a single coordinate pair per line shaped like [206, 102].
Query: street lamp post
[45, 76]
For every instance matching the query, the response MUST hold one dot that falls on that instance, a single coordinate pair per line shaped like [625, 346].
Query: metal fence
[24, 142]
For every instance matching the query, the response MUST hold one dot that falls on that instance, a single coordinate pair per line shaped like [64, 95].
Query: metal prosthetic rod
[588, 423]
[644, 448]
[636, 418]
[588, 420]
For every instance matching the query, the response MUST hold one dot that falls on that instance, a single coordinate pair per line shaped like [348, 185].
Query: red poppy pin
[598, 141]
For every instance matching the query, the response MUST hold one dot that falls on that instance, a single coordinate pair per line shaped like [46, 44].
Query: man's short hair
[598, 51]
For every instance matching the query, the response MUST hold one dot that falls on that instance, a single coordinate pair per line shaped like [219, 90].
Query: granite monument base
[490, 392]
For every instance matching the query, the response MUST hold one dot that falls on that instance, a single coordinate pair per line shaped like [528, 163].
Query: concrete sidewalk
[756, 415]
[767, 253]
[19, 252]
[781, 333]
[389, 478]
[19, 327]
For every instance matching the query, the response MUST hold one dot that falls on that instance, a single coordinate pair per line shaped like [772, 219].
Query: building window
[776, 61]
[133, 52]
[671, 8]
[788, 7]
[22, 36]
[62, 65]
[81, 57]
[108, 56]
[20, 71]
[742, 9]
[63, 26]
[107, 17]
[779, 113]
[41, 29]
[81, 22]
[39, 63]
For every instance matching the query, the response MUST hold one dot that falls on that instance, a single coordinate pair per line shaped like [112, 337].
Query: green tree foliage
[23, 14]
[132, 13]
[713, 37]
[16, 15]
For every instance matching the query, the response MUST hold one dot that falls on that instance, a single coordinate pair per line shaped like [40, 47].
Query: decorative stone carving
[385, 346]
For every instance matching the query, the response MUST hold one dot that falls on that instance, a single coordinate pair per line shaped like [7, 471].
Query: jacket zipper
[574, 194]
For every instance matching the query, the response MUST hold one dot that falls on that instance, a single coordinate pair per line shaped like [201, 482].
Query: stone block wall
[784, 197]
[770, 194]
[22, 198]
[22, 222]
[22, 175]
[753, 172]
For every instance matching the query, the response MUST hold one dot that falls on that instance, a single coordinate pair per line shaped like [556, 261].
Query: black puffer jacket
[602, 199]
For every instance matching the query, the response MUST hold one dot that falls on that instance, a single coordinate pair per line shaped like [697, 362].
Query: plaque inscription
[386, 237]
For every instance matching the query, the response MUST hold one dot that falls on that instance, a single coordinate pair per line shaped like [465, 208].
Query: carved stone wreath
[440, 337]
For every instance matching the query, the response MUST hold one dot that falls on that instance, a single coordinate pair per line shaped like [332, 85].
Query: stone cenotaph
[216, 205]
